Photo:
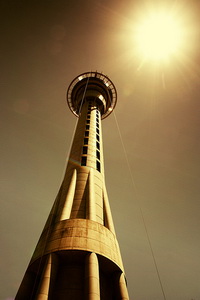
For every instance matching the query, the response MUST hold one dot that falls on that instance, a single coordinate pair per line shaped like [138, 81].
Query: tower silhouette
[77, 256]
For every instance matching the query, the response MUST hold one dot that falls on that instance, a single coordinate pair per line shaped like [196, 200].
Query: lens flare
[159, 36]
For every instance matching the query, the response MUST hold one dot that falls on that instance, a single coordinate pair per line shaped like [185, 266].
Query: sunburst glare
[159, 35]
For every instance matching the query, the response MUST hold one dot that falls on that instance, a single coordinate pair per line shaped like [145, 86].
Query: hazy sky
[44, 45]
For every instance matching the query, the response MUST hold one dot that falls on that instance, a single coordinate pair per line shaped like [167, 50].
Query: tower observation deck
[77, 256]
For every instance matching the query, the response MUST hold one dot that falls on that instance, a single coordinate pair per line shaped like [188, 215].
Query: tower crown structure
[77, 255]
[92, 85]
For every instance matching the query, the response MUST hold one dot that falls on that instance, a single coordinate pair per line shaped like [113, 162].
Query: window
[98, 166]
[97, 130]
[85, 150]
[88, 116]
[87, 127]
[88, 121]
[98, 145]
[86, 133]
[85, 141]
[97, 125]
[83, 160]
[97, 136]
[98, 154]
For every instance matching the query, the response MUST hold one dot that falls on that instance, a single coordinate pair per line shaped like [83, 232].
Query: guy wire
[140, 208]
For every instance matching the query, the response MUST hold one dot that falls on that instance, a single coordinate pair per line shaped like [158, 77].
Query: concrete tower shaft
[77, 256]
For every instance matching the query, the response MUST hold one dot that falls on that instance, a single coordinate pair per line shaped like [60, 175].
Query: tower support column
[108, 214]
[92, 290]
[48, 278]
[91, 205]
[123, 288]
[67, 207]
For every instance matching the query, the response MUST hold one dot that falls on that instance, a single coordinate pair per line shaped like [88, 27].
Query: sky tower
[77, 256]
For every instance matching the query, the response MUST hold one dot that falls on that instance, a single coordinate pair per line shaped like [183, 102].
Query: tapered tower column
[92, 280]
[77, 256]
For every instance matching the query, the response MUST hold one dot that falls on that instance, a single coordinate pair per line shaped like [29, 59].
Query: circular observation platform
[92, 86]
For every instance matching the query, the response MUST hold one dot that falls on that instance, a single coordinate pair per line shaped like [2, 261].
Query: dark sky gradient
[44, 45]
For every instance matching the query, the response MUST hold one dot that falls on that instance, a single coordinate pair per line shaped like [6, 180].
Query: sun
[159, 36]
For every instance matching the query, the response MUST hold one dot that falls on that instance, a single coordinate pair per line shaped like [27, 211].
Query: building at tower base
[77, 256]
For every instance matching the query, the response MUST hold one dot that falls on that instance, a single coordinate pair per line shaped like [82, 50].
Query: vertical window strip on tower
[85, 141]
[98, 145]
[98, 154]
[83, 160]
[85, 149]
[89, 108]
[98, 166]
